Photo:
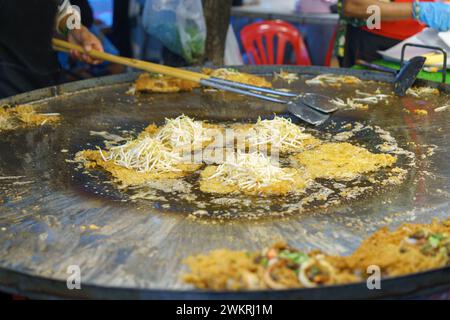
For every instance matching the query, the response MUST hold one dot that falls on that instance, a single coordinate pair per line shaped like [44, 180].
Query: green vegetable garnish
[265, 262]
[435, 239]
[296, 257]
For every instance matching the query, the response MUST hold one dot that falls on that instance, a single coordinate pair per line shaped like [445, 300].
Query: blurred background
[122, 27]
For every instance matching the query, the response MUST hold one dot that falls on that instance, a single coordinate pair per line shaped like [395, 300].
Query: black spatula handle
[373, 66]
[444, 63]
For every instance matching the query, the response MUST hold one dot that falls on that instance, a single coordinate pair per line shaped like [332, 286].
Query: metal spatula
[405, 77]
[310, 108]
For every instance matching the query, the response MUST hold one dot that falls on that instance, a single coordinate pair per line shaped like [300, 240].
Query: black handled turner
[404, 78]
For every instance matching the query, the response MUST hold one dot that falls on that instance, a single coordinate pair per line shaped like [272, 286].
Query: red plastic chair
[256, 34]
[330, 51]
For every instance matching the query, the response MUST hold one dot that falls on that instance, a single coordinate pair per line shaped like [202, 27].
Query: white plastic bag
[178, 24]
[233, 55]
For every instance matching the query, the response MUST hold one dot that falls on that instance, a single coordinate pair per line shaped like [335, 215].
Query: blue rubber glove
[434, 14]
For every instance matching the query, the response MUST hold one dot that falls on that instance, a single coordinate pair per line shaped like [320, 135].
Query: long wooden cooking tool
[312, 108]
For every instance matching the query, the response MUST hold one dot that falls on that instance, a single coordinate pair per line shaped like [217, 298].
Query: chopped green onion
[265, 261]
[296, 257]
[435, 239]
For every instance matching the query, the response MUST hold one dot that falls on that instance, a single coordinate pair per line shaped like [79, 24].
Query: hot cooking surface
[56, 215]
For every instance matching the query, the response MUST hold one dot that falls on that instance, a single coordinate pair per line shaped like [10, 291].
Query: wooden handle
[64, 46]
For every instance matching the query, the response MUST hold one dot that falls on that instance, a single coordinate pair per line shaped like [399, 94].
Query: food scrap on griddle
[333, 80]
[422, 92]
[236, 76]
[23, 116]
[286, 76]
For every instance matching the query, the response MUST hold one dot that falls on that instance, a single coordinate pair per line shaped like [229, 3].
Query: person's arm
[68, 23]
[83, 37]
[389, 10]
[434, 14]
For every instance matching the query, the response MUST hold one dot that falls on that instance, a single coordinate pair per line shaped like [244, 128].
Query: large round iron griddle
[137, 251]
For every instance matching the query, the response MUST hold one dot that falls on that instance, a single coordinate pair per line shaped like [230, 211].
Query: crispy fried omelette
[162, 84]
[210, 184]
[165, 84]
[129, 177]
[278, 133]
[157, 153]
[341, 161]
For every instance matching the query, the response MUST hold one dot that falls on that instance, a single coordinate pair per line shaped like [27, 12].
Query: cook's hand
[83, 37]
[434, 14]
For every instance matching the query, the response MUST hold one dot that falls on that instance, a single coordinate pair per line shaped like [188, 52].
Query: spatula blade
[306, 113]
[407, 75]
[319, 102]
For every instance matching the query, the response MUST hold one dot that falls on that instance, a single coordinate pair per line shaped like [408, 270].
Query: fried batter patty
[216, 185]
[341, 161]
